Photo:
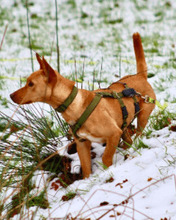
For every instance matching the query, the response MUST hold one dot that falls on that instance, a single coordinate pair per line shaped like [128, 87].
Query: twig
[93, 80]
[76, 77]
[57, 40]
[29, 36]
[83, 71]
[120, 61]
[101, 68]
[3, 36]
[141, 190]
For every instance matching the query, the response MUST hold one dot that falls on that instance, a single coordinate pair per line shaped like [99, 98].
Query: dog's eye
[30, 84]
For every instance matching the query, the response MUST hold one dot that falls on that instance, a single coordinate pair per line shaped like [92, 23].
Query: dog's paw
[71, 148]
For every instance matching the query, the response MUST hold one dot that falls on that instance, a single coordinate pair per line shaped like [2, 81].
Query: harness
[127, 92]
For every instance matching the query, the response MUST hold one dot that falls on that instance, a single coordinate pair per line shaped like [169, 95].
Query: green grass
[162, 119]
[72, 3]
[5, 15]
[139, 144]
[39, 201]
[113, 21]
[70, 195]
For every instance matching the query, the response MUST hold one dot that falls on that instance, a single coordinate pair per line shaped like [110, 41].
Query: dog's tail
[139, 53]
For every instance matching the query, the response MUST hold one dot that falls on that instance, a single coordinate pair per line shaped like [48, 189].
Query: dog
[104, 125]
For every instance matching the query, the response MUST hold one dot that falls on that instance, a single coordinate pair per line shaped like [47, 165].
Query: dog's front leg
[111, 146]
[84, 152]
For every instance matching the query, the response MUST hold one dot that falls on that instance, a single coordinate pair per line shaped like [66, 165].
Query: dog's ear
[49, 71]
[39, 60]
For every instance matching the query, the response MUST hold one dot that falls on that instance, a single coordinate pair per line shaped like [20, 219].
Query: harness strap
[68, 101]
[85, 114]
[119, 96]
[127, 92]
[136, 103]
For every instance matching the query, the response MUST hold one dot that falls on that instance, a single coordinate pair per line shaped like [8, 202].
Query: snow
[154, 199]
[147, 179]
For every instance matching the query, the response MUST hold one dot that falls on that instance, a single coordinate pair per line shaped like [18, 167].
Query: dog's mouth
[29, 102]
[19, 101]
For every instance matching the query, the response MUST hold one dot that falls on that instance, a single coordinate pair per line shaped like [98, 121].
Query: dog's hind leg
[143, 117]
[84, 152]
[127, 141]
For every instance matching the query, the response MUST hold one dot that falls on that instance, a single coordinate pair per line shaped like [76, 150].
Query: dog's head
[39, 85]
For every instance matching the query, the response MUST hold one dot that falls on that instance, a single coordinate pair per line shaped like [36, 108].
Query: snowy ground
[96, 35]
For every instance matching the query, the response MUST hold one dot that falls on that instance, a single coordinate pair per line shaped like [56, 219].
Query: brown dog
[105, 122]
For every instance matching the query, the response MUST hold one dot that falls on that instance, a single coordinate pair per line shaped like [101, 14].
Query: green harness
[127, 92]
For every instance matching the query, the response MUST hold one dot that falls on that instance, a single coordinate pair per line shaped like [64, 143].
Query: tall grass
[28, 145]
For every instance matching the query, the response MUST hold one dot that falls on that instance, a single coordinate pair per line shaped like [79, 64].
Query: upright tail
[139, 53]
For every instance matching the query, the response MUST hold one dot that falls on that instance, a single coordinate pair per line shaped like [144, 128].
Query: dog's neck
[62, 91]
[68, 101]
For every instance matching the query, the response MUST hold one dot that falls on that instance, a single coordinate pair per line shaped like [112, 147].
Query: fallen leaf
[104, 203]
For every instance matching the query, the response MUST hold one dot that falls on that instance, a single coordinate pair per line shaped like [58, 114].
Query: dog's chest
[90, 137]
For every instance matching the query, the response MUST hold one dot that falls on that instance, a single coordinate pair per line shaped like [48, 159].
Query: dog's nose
[11, 96]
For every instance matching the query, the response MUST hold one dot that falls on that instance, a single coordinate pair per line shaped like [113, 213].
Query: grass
[28, 147]
[70, 195]
[72, 3]
[39, 201]
[162, 119]
[5, 15]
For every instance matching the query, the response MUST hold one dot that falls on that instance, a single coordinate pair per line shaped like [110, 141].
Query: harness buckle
[146, 98]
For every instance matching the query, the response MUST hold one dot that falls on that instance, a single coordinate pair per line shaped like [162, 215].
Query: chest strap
[86, 114]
